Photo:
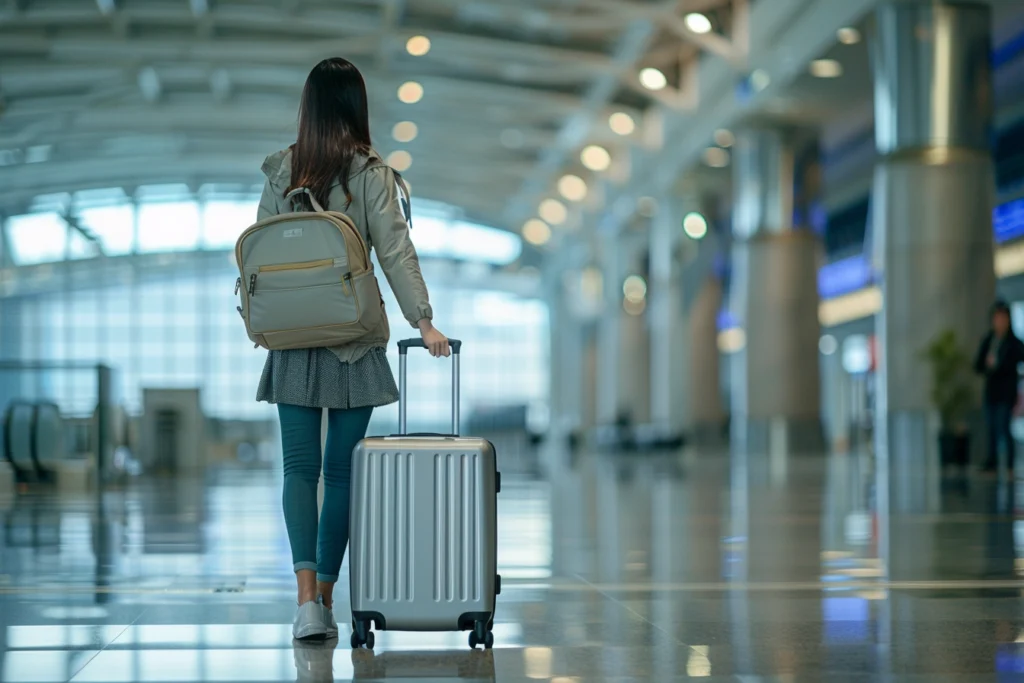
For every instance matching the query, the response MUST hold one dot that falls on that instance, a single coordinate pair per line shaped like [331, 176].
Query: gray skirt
[316, 378]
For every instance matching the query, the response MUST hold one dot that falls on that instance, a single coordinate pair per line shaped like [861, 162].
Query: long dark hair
[334, 127]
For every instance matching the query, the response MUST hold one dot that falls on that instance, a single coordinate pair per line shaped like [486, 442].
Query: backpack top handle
[312, 200]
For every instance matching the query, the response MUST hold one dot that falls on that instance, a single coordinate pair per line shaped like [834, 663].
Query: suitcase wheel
[481, 635]
[362, 635]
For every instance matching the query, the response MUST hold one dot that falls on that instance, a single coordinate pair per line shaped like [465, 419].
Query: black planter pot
[954, 449]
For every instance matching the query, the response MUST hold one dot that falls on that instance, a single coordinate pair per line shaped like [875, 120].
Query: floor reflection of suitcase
[420, 667]
[424, 528]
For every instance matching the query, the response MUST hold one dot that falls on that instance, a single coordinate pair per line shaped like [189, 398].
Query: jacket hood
[278, 167]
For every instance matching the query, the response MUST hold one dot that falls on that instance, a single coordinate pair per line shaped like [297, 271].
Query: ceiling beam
[575, 130]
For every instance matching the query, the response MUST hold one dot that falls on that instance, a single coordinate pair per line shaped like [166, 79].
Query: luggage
[306, 280]
[423, 548]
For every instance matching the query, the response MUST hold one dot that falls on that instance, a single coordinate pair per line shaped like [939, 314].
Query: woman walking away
[334, 160]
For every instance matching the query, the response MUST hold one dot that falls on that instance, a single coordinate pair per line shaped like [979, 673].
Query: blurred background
[742, 249]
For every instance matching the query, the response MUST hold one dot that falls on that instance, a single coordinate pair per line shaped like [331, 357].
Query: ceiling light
[553, 211]
[716, 157]
[536, 232]
[724, 138]
[828, 345]
[695, 225]
[596, 158]
[697, 22]
[732, 340]
[634, 308]
[826, 68]
[653, 79]
[572, 187]
[760, 79]
[621, 123]
[400, 160]
[634, 288]
[418, 46]
[848, 35]
[405, 131]
[410, 92]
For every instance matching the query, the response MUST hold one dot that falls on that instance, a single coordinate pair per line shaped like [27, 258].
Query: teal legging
[320, 547]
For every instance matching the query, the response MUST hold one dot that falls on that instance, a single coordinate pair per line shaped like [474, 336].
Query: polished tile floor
[617, 568]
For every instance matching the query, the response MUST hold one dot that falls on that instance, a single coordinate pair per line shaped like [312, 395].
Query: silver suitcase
[424, 528]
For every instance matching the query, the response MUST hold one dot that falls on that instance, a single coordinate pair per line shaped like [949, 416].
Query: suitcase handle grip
[417, 343]
[403, 352]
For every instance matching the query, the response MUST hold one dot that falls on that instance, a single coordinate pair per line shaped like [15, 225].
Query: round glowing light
[724, 138]
[653, 79]
[634, 308]
[418, 46]
[697, 22]
[732, 340]
[634, 288]
[553, 211]
[536, 232]
[848, 35]
[400, 160]
[716, 157]
[596, 158]
[826, 68]
[405, 131]
[695, 225]
[410, 92]
[621, 123]
[828, 345]
[572, 187]
[760, 79]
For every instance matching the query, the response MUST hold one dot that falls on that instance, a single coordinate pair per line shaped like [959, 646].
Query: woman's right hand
[437, 343]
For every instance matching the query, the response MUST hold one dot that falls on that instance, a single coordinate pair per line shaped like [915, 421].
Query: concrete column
[706, 414]
[667, 325]
[776, 393]
[567, 354]
[623, 353]
[932, 216]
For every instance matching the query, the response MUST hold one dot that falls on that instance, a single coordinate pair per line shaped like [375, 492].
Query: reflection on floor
[630, 568]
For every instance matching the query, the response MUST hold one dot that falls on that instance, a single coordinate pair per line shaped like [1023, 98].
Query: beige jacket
[377, 212]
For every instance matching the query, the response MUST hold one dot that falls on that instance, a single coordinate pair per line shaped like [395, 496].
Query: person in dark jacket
[999, 356]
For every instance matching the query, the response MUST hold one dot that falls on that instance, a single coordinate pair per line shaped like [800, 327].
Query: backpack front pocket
[299, 296]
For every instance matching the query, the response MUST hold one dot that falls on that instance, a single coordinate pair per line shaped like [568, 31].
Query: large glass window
[180, 327]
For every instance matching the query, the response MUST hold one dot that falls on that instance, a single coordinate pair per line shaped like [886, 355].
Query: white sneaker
[328, 618]
[309, 622]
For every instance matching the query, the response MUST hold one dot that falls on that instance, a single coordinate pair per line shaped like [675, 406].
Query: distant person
[334, 159]
[999, 356]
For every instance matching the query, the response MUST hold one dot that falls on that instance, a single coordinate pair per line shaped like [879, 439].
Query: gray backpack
[306, 280]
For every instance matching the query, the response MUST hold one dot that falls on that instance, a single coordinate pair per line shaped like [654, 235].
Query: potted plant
[952, 395]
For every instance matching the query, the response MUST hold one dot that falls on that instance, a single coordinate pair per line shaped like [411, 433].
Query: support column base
[8, 486]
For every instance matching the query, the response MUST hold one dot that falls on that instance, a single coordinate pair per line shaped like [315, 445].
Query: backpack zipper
[303, 265]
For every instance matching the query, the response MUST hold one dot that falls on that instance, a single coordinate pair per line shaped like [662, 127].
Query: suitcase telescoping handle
[403, 351]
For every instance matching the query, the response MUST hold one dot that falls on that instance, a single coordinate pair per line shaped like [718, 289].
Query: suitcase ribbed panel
[387, 539]
[456, 565]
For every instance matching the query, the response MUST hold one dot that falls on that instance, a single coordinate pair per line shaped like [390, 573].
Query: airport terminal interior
[721, 269]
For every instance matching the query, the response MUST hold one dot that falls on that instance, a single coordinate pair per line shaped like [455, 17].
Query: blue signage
[1008, 221]
[845, 276]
